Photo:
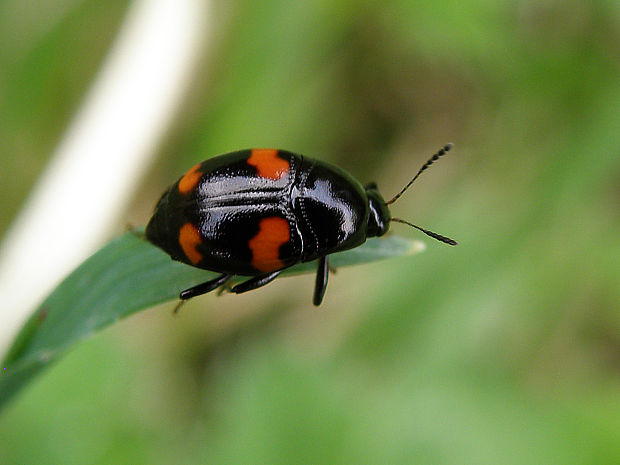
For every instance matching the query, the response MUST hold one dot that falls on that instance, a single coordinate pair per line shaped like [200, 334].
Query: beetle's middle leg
[255, 282]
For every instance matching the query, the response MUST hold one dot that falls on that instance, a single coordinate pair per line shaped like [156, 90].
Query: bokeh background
[505, 349]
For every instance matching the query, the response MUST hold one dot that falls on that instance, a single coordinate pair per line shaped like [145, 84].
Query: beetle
[256, 212]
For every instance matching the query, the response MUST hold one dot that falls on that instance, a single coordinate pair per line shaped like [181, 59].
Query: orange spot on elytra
[189, 181]
[273, 232]
[268, 164]
[189, 239]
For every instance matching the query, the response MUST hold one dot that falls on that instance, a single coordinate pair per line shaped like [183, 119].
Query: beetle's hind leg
[203, 288]
[256, 282]
[320, 285]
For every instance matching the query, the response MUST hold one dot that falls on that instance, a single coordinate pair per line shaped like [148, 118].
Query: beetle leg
[225, 287]
[254, 283]
[203, 288]
[321, 281]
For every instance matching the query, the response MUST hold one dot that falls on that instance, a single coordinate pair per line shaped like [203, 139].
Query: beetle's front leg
[203, 288]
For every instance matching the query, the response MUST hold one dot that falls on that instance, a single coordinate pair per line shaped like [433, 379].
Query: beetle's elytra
[256, 212]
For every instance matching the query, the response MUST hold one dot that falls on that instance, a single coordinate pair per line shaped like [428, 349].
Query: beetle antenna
[432, 234]
[445, 149]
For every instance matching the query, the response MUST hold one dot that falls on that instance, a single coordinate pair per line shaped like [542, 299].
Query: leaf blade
[127, 275]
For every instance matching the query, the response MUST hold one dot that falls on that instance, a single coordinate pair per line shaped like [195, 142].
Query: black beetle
[255, 212]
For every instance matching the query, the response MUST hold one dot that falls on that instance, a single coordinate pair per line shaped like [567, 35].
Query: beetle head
[380, 217]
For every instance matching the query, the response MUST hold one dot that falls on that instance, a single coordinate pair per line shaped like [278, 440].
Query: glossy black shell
[326, 209]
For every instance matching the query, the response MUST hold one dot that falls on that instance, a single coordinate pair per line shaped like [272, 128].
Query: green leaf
[127, 275]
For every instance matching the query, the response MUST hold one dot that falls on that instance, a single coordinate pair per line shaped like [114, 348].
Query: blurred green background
[505, 349]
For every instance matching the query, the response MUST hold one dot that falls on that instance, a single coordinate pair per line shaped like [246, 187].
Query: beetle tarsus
[225, 287]
[178, 306]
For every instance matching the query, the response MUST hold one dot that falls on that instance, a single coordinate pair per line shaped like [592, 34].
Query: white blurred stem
[103, 154]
